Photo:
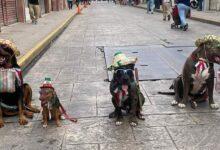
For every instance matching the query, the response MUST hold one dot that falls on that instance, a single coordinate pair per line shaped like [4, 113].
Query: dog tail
[166, 93]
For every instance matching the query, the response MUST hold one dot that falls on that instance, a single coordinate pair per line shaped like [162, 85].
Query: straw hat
[11, 45]
[209, 39]
[120, 59]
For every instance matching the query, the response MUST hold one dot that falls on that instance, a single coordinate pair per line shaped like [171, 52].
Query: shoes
[164, 19]
[168, 17]
[34, 22]
[185, 27]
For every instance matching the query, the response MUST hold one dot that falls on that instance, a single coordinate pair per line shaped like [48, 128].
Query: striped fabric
[7, 80]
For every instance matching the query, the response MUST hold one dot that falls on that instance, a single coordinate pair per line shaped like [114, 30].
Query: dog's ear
[200, 51]
[197, 51]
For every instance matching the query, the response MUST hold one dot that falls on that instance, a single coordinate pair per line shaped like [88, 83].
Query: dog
[196, 83]
[126, 95]
[18, 101]
[50, 104]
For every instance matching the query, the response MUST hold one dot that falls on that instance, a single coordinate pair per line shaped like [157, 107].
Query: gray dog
[196, 83]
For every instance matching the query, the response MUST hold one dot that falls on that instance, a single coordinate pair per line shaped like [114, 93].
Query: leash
[63, 111]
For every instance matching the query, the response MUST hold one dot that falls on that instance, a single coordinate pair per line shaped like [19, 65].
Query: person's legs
[164, 11]
[148, 6]
[168, 11]
[200, 4]
[31, 12]
[152, 6]
[68, 2]
[182, 14]
[71, 5]
[36, 12]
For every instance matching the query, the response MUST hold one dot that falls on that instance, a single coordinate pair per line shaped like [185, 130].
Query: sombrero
[120, 59]
[209, 39]
[11, 45]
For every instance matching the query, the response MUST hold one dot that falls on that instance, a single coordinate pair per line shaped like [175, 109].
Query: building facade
[12, 11]
[212, 5]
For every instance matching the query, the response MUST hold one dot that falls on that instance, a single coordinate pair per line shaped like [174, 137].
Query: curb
[192, 18]
[26, 60]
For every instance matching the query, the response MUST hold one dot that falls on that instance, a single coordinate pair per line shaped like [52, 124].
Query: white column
[206, 5]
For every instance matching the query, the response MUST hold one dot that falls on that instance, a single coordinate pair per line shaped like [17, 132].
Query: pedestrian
[150, 6]
[166, 6]
[70, 4]
[77, 6]
[183, 9]
[34, 10]
[200, 5]
[157, 4]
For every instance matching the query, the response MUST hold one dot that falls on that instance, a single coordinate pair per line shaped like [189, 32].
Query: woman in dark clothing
[183, 9]
[70, 4]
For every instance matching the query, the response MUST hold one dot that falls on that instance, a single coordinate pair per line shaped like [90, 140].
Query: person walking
[200, 3]
[166, 6]
[150, 6]
[70, 4]
[183, 9]
[34, 10]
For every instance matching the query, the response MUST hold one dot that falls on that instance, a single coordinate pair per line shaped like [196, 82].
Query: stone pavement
[211, 17]
[77, 67]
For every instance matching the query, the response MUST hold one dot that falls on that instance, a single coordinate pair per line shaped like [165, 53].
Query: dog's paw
[194, 105]
[58, 124]
[133, 124]
[23, 120]
[181, 105]
[174, 102]
[214, 106]
[62, 117]
[1, 123]
[140, 117]
[118, 123]
[44, 125]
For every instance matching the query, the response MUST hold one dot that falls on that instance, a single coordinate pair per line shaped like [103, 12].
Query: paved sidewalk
[211, 17]
[26, 35]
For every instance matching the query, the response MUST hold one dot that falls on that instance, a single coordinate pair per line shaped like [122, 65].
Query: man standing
[166, 6]
[34, 10]
[200, 5]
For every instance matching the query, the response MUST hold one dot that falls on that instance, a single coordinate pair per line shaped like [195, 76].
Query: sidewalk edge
[25, 60]
[192, 18]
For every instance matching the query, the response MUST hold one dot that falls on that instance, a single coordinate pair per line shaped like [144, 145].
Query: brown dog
[50, 104]
[17, 101]
[197, 80]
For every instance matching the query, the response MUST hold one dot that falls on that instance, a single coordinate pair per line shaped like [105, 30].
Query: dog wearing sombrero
[52, 108]
[15, 96]
[125, 90]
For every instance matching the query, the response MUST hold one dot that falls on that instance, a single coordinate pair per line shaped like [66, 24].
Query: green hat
[120, 59]
[47, 83]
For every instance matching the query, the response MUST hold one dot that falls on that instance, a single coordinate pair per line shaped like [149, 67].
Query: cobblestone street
[76, 64]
